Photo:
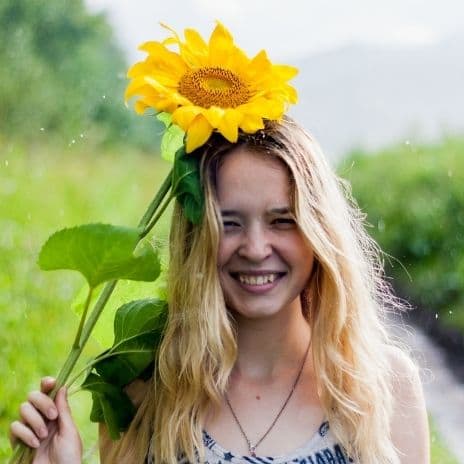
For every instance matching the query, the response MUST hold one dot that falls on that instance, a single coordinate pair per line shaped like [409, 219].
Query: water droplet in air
[436, 315]
[450, 311]
[42, 129]
[6, 163]
[104, 97]
[407, 142]
[81, 136]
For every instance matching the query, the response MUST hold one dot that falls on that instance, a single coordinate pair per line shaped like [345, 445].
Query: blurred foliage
[439, 453]
[62, 74]
[41, 190]
[414, 200]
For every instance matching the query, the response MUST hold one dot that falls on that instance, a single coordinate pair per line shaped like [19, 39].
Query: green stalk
[22, 453]
[153, 206]
[84, 315]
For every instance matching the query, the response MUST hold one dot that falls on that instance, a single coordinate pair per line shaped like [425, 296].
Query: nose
[256, 244]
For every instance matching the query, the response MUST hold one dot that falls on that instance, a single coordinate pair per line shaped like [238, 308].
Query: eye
[284, 222]
[229, 224]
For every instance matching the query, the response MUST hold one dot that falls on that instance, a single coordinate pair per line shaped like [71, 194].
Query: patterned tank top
[322, 448]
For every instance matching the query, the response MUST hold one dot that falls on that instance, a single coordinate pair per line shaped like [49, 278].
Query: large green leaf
[111, 405]
[138, 328]
[186, 185]
[101, 252]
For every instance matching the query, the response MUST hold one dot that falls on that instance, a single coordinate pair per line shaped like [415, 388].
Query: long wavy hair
[345, 304]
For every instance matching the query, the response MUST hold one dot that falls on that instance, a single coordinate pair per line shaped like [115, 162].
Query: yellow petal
[198, 133]
[251, 124]
[214, 114]
[140, 107]
[228, 126]
[185, 115]
[285, 72]
[193, 40]
[220, 44]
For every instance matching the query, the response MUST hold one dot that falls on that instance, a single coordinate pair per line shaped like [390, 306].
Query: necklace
[252, 447]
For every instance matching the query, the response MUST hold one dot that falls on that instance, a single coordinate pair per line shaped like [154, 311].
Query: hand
[47, 426]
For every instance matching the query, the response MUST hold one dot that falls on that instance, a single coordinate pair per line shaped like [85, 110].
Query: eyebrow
[233, 212]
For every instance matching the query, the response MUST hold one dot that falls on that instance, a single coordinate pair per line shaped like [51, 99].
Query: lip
[258, 289]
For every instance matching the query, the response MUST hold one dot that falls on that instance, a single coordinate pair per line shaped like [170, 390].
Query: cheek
[224, 251]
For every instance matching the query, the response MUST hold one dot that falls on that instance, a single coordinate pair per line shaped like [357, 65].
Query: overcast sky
[289, 29]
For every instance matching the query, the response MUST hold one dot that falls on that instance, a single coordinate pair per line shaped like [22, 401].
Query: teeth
[257, 280]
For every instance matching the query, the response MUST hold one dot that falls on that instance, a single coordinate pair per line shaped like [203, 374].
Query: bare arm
[410, 430]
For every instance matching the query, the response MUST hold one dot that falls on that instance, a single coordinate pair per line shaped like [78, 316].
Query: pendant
[253, 451]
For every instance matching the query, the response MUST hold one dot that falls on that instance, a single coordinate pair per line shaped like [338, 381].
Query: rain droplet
[42, 129]
[7, 163]
[81, 136]
[450, 311]
[407, 142]
[436, 315]
[104, 97]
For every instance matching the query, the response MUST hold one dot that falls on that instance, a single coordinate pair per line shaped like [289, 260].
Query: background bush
[414, 200]
[62, 73]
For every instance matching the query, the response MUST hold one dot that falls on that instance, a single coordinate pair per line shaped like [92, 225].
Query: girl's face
[264, 262]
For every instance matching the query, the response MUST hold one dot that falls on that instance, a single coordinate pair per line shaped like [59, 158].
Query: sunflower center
[213, 86]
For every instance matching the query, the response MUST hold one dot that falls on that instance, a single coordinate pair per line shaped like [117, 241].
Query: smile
[257, 279]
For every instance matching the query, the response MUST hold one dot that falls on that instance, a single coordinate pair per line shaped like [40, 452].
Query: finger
[19, 431]
[47, 384]
[65, 420]
[44, 404]
[33, 419]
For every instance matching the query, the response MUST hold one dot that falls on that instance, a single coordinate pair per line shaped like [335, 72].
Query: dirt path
[443, 392]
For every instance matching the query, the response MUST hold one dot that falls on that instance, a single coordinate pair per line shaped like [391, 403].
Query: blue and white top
[322, 448]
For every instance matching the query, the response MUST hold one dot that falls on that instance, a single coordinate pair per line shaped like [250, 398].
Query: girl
[276, 348]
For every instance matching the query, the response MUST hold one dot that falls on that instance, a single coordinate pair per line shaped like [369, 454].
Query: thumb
[65, 420]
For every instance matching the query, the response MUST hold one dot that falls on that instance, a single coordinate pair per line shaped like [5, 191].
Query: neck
[266, 346]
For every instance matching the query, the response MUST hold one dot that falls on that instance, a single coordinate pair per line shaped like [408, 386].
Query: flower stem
[165, 186]
[22, 453]
[77, 340]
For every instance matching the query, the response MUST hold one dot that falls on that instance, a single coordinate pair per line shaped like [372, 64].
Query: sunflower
[210, 86]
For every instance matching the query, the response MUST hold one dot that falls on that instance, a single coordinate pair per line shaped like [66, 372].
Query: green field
[42, 190]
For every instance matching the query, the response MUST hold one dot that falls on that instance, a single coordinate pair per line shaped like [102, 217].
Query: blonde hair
[345, 304]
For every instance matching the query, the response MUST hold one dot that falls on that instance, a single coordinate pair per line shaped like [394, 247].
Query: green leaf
[165, 118]
[101, 252]
[138, 329]
[111, 405]
[186, 185]
[172, 140]
[173, 137]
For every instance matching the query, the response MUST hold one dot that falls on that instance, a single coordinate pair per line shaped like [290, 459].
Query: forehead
[246, 176]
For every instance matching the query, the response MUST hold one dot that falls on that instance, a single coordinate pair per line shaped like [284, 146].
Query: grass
[439, 452]
[42, 190]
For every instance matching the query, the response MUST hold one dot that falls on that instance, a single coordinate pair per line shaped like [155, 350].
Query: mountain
[367, 97]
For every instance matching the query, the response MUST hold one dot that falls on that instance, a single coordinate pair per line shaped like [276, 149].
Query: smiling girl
[275, 349]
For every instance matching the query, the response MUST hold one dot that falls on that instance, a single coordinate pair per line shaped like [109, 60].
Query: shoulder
[409, 424]
[136, 391]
